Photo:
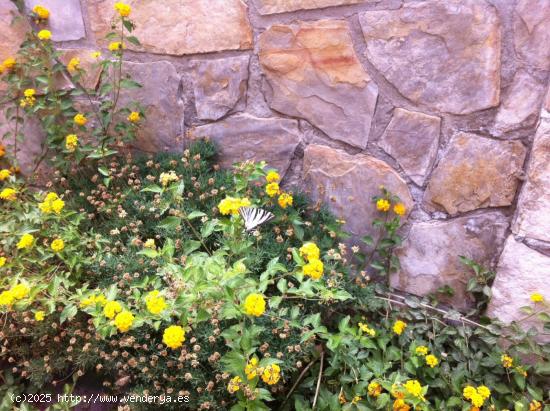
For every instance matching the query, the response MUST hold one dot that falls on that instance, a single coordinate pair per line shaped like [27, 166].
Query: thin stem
[319, 379]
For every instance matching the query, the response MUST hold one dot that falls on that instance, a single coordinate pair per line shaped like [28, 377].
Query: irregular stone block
[179, 27]
[162, 128]
[444, 54]
[282, 6]
[430, 255]
[520, 104]
[14, 27]
[532, 32]
[533, 215]
[475, 172]
[65, 21]
[244, 137]
[412, 139]
[220, 86]
[521, 272]
[314, 74]
[346, 184]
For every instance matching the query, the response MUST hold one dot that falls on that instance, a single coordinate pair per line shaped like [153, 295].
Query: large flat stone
[532, 32]
[220, 86]
[346, 184]
[520, 104]
[13, 32]
[475, 172]
[444, 54]
[244, 137]
[162, 129]
[521, 272]
[533, 209]
[313, 73]
[65, 21]
[91, 69]
[412, 138]
[282, 6]
[430, 255]
[179, 27]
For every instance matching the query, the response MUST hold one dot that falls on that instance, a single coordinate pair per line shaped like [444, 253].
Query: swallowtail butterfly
[253, 217]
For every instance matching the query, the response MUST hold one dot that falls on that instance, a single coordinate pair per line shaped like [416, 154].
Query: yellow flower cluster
[535, 406]
[93, 300]
[477, 396]
[167, 178]
[431, 360]
[414, 388]
[71, 142]
[41, 12]
[507, 361]
[374, 389]
[537, 298]
[124, 321]
[421, 350]
[116, 46]
[399, 326]
[26, 241]
[285, 200]
[29, 98]
[4, 174]
[234, 385]
[310, 251]
[39, 316]
[123, 9]
[8, 194]
[134, 117]
[3, 261]
[271, 374]
[58, 245]
[272, 189]
[51, 204]
[150, 244]
[173, 336]
[17, 292]
[251, 369]
[44, 34]
[96, 54]
[80, 119]
[74, 64]
[7, 64]
[384, 205]
[314, 268]
[254, 304]
[155, 302]
[111, 309]
[231, 205]
[367, 330]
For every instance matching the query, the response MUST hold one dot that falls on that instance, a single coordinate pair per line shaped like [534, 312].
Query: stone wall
[444, 102]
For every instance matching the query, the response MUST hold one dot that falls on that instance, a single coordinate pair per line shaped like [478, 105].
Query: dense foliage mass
[141, 273]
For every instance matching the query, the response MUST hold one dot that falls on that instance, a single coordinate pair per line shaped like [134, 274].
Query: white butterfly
[253, 217]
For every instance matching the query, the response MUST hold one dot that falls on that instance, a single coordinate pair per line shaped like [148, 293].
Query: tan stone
[475, 172]
[520, 104]
[346, 184]
[313, 73]
[429, 256]
[244, 137]
[547, 101]
[179, 27]
[521, 272]
[282, 6]
[412, 138]
[220, 86]
[14, 27]
[162, 127]
[444, 54]
[532, 32]
[533, 215]
[65, 21]
[91, 69]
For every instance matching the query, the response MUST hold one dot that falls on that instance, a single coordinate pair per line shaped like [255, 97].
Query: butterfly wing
[253, 217]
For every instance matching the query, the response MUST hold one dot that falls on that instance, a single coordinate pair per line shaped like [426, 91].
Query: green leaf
[134, 40]
[68, 312]
[170, 223]
[129, 84]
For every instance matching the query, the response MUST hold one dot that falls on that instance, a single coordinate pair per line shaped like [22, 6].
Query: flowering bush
[145, 273]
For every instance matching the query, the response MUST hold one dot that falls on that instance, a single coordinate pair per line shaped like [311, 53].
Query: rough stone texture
[519, 104]
[521, 271]
[429, 255]
[282, 6]
[547, 100]
[12, 33]
[65, 20]
[444, 54]
[180, 27]
[475, 172]
[162, 128]
[346, 184]
[244, 137]
[412, 139]
[220, 86]
[532, 32]
[314, 74]
[533, 216]
[92, 70]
